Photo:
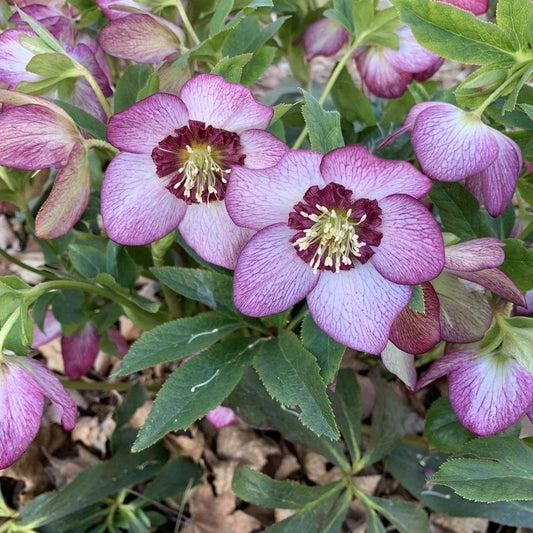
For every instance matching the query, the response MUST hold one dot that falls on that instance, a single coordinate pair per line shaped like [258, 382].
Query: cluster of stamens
[197, 160]
[334, 231]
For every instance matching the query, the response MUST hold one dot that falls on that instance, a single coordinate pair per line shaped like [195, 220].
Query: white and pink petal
[477, 254]
[325, 37]
[51, 330]
[262, 149]
[400, 363]
[79, 350]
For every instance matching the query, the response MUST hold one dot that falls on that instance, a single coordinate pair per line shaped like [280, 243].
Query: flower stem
[104, 145]
[48, 286]
[20, 264]
[159, 250]
[94, 86]
[187, 22]
[331, 82]
[8, 324]
[494, 95]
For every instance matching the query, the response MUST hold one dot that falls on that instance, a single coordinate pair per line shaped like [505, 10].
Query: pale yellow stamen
[200, 170]
[335, 235]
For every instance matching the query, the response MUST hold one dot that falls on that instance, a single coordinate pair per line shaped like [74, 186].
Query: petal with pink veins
[490, 393]
[210, 232]
[14, 58]
[222, 104]
[140, 127]
[499, 179]
[34, 137]
[79, 350]
[452, 144]
[477, 254]
[411, 249]
[400, 363]
[259, 198]
[136, 207]
[444, 366]
[68, 199]
[270, 277]
[417, 332]
[357, 307]
[325, 37]
[378, 75]
[119, 341]
[262, 149]
[143, 38]
[51, 330]
[222, 417]
[21, 408]
[368, 176]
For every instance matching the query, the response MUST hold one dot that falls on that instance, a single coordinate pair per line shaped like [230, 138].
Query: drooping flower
[36, 134]
[344, 230]
[178, 155]
[488, 392]
[24, 383]
[325, 37]
[452, 145]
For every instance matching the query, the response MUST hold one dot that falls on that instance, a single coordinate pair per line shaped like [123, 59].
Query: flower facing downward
[452, 145]
[178, 154]
[24, 382]
[344, 230]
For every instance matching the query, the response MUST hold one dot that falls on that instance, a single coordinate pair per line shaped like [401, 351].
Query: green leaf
[121, 471]
[84, 120]
[411, 465]
[495, 469]
[218, 18]
[252, 486]
[518, 340]
[252, 402]
[442, 428]
[455, 33]
[120, 265]
[324, 126]
[177, 476]
[510, 101]
[387, 424]
[301, 385]
[261, 60]
[87, 260]
[67, 307]
[129, 85]
[350, 101]
[515, 18]
[373, 523]
[362, 15]
[518, 264]
[175, 340]
[12, 289]
[327, 351]
[230, 68]
[57, 66]
[196, 387]
[347, 407]
[342, 13]
[407, 517]
[459, 211]
[211, 288]
[135, 397]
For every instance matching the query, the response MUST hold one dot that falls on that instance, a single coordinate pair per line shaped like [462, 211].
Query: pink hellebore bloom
[488, 393]
[178, 155]
[222, 417]
[24, 382]
[387, 73]
[36, 134]
[477, 7]
[452, 145]
[344, 230]
[325, 37]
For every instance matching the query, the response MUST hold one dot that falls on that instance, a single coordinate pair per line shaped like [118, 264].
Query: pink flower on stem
[387, 73]
[325, 37]
[344, 230]
[452, 145]
[178, 156]
[488, 392]
[36, 134]
[24, 383]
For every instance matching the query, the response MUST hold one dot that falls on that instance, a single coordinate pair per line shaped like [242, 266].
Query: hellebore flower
[325, 37]
[24, 382]
[387, 73]
[222, 417]
[344, 230]
[36, 134]
[178, 155]
[488, 392]
[452, 145]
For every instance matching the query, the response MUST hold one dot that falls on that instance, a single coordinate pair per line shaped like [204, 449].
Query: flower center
[334, 231]
[197, 160]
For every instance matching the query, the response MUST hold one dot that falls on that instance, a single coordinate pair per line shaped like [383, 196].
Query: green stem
[104, 145]
[331, 82]
[95, 87]
[8, 325]
[48, 286]
[186, 22]
[298, 318]
[159, 250]
[20, 264]
[494, 95]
